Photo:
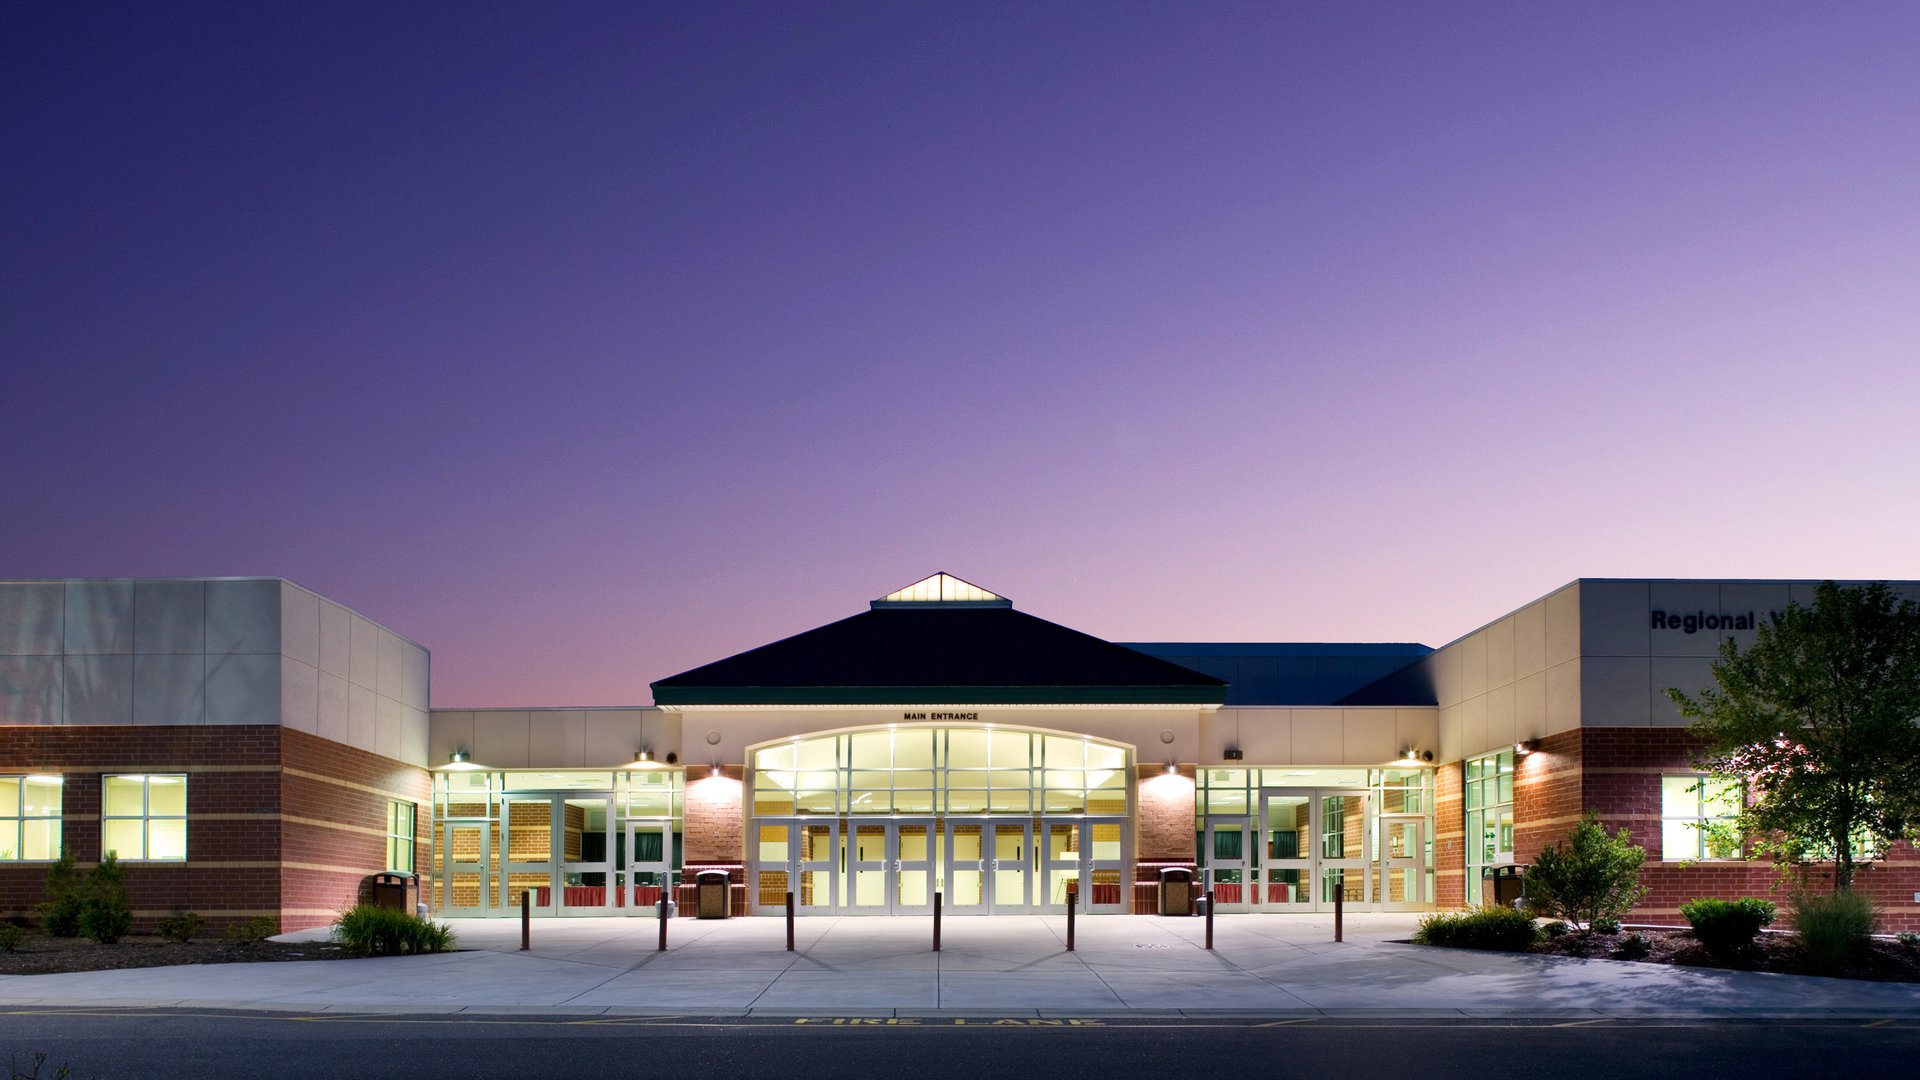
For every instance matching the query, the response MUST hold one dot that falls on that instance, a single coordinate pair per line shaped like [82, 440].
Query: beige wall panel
[1690, 673]
[1530, 640]
[1501, 716]
[171, 617]
[363, 716]
[300, 624]
[363, 653]
[98, 617]
[1613, 691]
[1683, 598]
[1419, 729]
[1319, 737]
[1613, 618]
[1563, 697]
[1368, 738]
[169, 689]
[1530, 707]
[1266, 734]
[333, 707]
[1501, 664]
[1563, 625]
[503, 739]
[31, 617]
[32, 689]
[336, 639]
[448, 730]
[1763, 600]
[99, 689]
[300, 692]
[241, 616]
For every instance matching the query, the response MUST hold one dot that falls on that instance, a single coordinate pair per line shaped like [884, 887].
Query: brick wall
[279, 823]
[1164, 830]
[1449, 836]
[1616, 772]
[713, 835]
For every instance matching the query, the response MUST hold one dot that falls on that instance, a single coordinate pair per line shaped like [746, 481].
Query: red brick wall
[1449, 836]
[713, 834]
[279, 823]
[1164, 830]
[1616, 772]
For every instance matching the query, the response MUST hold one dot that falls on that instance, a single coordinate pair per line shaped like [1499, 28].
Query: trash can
[712, 894]
[1505, 886]
[1176, 891]
[396, 890]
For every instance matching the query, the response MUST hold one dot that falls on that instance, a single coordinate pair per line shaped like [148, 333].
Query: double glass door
[1304, 847]
[890, 866]
[990, 865]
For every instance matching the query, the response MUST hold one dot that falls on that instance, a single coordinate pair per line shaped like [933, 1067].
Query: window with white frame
[144, 817]
[1488, 805]
[1689, 808]
[30, 817]
[400, 822]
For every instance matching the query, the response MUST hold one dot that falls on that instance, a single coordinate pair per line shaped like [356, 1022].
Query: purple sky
[585, 345]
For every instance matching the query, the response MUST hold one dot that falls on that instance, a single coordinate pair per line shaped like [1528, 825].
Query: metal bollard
[526, 920]
[1340, 910]
[936, 922]
[789, 920]
[1209, 920]
[663, 918]
[1073, 901]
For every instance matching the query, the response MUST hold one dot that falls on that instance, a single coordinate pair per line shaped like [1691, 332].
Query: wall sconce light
[1172, 768]
[1525, 747]
[1413, 759]
[1234, 753]
[460, 761]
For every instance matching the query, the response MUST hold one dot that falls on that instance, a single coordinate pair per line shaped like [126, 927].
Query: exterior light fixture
[1414, 759]
[1172, 768]
[643, 759]
[1525, 747]
[460, 761]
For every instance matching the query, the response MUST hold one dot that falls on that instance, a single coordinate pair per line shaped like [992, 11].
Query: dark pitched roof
[1291, 672]
[935, 655]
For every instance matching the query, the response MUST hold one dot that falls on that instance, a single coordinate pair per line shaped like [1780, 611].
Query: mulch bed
[43, 955]
[1886, 961]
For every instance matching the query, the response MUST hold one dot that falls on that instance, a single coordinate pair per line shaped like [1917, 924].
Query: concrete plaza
[1006, 966]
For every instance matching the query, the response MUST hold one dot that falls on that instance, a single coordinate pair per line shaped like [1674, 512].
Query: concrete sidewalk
[1008, 966]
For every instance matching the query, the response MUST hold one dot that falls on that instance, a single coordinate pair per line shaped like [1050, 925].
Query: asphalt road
[116, 1045]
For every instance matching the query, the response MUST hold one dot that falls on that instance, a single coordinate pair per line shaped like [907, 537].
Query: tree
[1590, 877]
[1820, 718]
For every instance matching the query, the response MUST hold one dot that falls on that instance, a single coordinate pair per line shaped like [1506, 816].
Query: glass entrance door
[1286, 828]
[815, 861]
[869, 867]
[915, 866]
[527, 863]
[1062, 863]
[771, 846]
[1403, 863]
[583, 826]
[1103, 848]
[649, 846]
[466, 849]
[1228, 864]
[1340, 824]
[989, 865]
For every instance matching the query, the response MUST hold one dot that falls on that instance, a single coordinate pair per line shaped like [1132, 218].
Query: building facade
[249, 748]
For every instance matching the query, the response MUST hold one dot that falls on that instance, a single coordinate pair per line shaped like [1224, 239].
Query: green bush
[1727, 926]
[1834, 928]
[258, 928]
[1908, 938]
[181, 926]
[1556, 929]
[370, 930]
[1607, 925]
[1634, 947]
[59, 914]
[106, 914]
[1588, 879]
[12, 937]
[1498, 928]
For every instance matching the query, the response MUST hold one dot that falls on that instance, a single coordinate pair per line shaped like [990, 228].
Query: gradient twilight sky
[585, 343]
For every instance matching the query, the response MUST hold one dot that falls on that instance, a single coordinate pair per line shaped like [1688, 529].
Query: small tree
[106, 914]
[60, 912]
[1820, 718]
[1589, 877]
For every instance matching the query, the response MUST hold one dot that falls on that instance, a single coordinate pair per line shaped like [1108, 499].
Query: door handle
[996, 864]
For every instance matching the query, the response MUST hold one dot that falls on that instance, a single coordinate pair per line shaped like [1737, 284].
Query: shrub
[1908, 938]
[1634, 947]
[370, 930]
[1492, 927]
[1589, 878]
[1556, 929]
[60, 913]
[258, 928]
[181, 926]
[1834, 928]
[1727, 926]
[105, 912]
[11, 937]
[1606, 926]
